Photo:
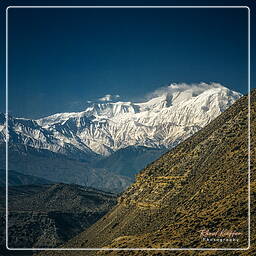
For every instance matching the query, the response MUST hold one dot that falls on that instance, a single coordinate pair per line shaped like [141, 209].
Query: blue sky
[60, 58]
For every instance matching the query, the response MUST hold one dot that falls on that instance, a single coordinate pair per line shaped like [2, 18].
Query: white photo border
[133, 249]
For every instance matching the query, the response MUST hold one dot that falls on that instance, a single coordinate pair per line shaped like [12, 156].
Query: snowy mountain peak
[168, 116]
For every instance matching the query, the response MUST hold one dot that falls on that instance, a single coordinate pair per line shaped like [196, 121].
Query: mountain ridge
[109, 142]
[16, 178]
[59, 168]
[48, 215]
[162, 121]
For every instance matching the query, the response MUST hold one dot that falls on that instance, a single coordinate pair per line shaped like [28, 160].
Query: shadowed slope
[49, 215]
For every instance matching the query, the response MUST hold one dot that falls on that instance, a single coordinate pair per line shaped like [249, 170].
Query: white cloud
[196, 89]
[109, 97]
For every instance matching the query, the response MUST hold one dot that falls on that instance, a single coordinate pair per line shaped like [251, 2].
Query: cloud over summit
[195, 88]
[109, 97]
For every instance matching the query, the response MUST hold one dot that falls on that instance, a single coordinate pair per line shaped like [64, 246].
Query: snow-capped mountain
[30, 133]
[167, 117]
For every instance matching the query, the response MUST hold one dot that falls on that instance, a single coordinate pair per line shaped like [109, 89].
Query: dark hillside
[49, 215]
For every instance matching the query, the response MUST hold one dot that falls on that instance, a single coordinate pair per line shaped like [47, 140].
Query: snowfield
[169, 116]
